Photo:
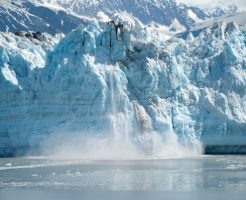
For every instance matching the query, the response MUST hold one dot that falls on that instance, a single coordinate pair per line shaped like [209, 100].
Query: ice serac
[119, 81]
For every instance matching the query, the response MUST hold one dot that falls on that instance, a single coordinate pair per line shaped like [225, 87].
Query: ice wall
[119, 82]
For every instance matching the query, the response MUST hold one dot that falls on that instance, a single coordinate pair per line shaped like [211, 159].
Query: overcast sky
[209, 3]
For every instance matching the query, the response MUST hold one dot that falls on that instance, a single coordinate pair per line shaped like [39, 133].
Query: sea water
[103, 178]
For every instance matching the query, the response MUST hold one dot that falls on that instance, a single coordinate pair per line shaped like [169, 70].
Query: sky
[212, 3]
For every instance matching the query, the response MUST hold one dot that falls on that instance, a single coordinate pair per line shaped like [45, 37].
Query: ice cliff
[118, 80]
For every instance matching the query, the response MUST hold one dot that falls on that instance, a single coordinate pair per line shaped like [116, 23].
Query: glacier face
[124, 84]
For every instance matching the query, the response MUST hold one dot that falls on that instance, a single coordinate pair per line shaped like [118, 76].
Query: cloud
[213, 3]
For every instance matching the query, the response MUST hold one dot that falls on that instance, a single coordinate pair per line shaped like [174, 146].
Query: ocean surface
[123, 179]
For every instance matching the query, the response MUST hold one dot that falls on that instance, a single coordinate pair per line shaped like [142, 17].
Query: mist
[94, 146]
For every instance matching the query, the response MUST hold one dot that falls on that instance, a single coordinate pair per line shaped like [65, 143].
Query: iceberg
[117, 82]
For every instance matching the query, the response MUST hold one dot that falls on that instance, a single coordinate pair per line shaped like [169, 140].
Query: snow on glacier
[130, 91]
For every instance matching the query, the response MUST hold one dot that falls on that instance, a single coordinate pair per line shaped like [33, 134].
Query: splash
[91, 147]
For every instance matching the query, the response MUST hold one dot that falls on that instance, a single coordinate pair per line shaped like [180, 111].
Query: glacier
[118, 81]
